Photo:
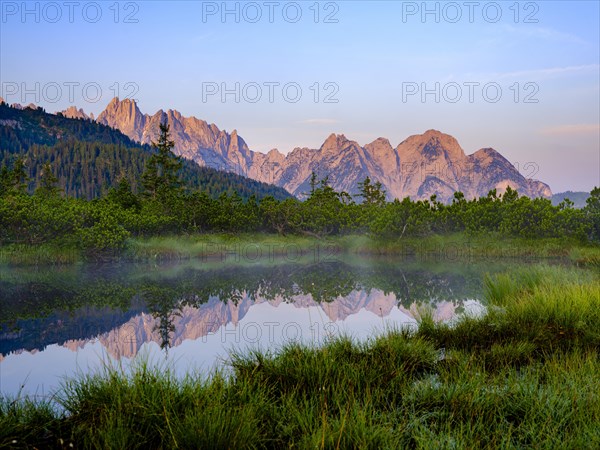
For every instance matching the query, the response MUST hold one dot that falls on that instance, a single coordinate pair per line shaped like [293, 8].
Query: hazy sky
[521, 77]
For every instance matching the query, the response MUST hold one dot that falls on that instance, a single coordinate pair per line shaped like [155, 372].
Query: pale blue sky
[549, 53]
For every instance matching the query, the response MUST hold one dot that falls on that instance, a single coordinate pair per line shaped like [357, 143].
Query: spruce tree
[313, 182]
[19, 176]
[15, 180]
[160, 179]
[372, 194]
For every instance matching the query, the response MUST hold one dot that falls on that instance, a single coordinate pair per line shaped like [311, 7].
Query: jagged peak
[74, 113]
[336, 136]
[116, 106]
[116, 103]
[126, 101]
[334, 141]
[380, 141]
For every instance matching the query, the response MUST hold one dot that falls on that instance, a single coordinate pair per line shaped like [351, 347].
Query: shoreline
[268, 247]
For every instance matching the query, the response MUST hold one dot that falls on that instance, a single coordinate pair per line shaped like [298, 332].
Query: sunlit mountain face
[432, 163]
[59, 322]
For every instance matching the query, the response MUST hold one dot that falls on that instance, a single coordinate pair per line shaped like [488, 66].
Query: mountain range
[420, 166]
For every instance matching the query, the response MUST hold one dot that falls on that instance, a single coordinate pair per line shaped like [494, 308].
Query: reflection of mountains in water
[339, 290]
[60, 327]
[192, 323]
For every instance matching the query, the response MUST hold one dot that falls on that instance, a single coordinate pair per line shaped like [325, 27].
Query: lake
[58, 322]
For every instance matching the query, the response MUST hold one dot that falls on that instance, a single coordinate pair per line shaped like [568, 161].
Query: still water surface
[59, 322]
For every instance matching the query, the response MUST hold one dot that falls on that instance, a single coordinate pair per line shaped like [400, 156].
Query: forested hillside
[89, 158]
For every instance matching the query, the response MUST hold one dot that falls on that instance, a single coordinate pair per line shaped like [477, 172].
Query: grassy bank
[525, 375]
[44, 254]
[251, 248]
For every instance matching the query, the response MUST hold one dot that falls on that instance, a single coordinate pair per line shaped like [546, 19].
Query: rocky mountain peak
[379, 146]
[382, 152]
[487, 156]
[274, 156]
[334, 141]
[381, 141]
[125, 105]
[433, 145]
[496, 172]
[431, 135]
[120, 108]
[73, 113]
[434, 132]
[125, 116]
[487, 153]
[174, 113]
[127, 101]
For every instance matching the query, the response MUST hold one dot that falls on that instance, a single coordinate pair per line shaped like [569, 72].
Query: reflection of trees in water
[324, 282]
[32, 305]
[164, 306]
[327, 281]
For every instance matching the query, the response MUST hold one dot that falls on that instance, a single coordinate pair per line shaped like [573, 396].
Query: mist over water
[60, 322]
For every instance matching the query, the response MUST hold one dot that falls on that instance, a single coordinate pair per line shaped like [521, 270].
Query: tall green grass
[524, 375]
[43, 254]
